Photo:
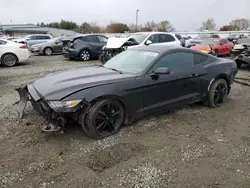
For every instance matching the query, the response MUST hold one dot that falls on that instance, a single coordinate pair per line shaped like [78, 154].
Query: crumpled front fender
[22, 103]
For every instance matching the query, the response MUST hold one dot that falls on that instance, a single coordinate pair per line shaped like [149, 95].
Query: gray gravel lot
[194, 146]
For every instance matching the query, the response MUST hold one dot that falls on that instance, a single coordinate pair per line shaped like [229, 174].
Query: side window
[33, 37]
[175, 60]
[95, 39]
[178, 36]
[46, 37]
[59, 41]
[225, 41]
[39, 37]
[215, 36]
[166, 38]
[154, 38]
[103, 39]
[2, 42]
[199, 59]
[85, 39]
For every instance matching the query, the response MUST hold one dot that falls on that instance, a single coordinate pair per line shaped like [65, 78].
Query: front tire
[217, 93]
[9, 60]
[104, 119]
[216, 53]
[48, 51]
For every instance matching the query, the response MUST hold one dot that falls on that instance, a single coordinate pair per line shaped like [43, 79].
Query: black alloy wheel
[219, 94]
[105, 119]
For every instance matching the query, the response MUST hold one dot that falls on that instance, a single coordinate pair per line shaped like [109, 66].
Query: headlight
[64, 106]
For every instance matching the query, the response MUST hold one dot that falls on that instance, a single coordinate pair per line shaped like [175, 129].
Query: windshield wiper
[98, 65]
[115, 70]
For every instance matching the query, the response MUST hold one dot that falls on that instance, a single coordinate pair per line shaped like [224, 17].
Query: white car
[11, 53]
[156, 38]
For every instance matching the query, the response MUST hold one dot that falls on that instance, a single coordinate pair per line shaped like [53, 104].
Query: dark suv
[84, 47]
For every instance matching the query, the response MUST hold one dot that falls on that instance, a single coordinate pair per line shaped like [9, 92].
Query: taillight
[72, 44]
[23, 46]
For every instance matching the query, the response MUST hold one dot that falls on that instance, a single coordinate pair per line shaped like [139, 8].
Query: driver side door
[168, 90]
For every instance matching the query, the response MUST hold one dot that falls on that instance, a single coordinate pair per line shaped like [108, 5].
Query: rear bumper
[24, 56]
[70, 53]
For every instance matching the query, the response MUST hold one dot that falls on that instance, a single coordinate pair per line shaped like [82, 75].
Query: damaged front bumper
[56, 120]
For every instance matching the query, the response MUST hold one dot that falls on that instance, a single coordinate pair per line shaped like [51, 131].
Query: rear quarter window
[199, 59]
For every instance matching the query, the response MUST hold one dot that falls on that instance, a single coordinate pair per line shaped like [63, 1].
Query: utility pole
[136, 19]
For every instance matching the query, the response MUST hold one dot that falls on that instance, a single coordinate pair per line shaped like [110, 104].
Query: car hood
[115, 43]
[201, 47]
[196, 41]
[58, 85]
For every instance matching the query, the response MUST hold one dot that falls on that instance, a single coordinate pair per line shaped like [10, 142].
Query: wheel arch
[86, 48]
[48, 47]
[221, 76]
[113, 97]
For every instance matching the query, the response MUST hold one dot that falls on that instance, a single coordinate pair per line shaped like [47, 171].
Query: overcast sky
[183, 14]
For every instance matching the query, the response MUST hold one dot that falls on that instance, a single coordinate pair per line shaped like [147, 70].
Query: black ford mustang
[135, 83]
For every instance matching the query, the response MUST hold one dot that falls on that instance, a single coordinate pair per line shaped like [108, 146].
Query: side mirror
[162, 70]
[148, 42]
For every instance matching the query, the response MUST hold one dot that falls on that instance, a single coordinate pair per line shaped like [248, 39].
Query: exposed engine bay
[241, 53]
[115, 46]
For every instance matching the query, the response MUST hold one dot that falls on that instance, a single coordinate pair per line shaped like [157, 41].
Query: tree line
[112, 27]
[164, 26]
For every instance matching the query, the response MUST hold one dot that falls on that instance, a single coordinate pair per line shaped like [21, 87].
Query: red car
[219, 46]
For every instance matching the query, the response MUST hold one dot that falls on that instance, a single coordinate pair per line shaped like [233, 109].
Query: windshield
[131, 61]
[202, 37]
[138, 37]
[212, 42]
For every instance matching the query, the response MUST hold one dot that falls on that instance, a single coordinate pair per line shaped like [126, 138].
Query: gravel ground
[191, 147]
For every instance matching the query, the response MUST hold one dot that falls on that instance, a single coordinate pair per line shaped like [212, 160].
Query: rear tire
[216, 94]
[105, 118]
[9, 60]
[85, 55]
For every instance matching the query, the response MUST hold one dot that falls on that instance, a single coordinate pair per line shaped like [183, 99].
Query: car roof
[155, 48]
[152, 32]
[39, 35]
[5, 40]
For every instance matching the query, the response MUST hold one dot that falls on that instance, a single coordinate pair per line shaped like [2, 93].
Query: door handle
[194, 74]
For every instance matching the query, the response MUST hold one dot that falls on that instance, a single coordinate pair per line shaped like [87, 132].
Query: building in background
[20, 30]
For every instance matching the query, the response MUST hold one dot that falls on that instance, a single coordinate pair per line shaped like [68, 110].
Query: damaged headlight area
[65, 106]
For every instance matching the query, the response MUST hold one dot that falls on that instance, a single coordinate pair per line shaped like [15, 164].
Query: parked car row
[93, 46]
